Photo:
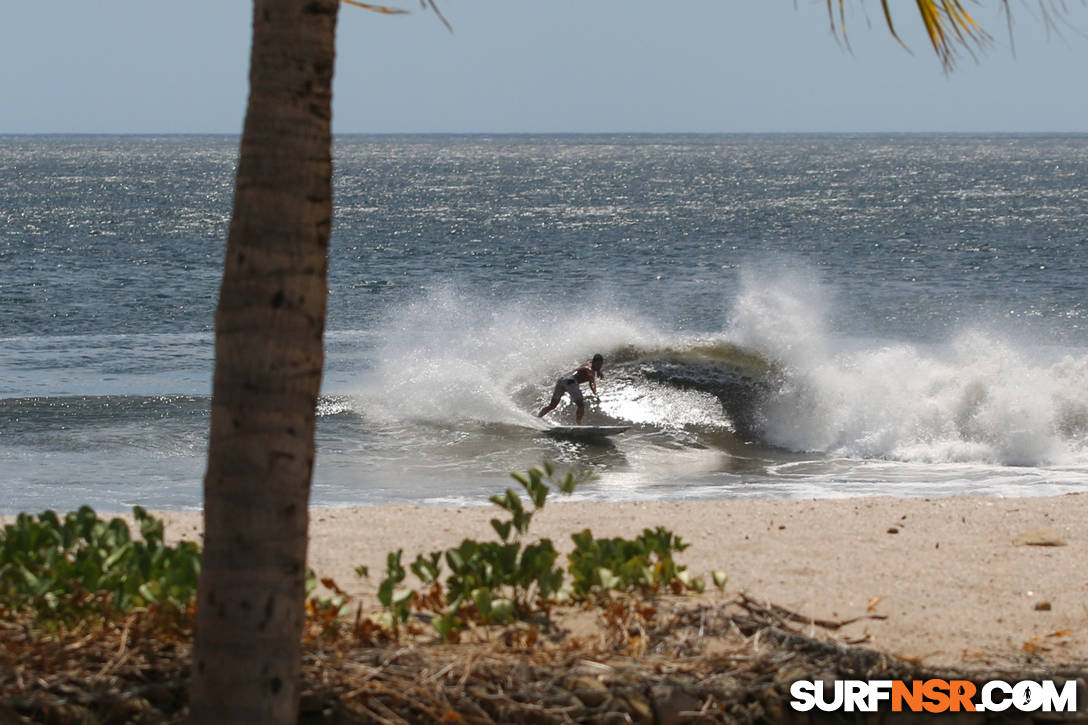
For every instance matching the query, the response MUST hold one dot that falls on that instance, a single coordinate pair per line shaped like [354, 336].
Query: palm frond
[430, 3]
[386, 10]
[947, 23]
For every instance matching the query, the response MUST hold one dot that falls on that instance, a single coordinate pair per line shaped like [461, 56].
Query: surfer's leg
[576, 395]
[557, 395]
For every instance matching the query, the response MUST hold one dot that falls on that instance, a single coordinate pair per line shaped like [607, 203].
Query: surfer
[587, 372]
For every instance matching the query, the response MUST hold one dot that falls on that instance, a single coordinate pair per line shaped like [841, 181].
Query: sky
[562, 66]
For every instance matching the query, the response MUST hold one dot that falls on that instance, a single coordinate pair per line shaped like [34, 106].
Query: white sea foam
[978, 397]
[453, 356]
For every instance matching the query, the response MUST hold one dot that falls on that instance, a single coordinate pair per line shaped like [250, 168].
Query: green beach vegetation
[495, 582]
[81, 593]
[84, 567]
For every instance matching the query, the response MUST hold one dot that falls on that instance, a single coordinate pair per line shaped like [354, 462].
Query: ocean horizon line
[558, 134]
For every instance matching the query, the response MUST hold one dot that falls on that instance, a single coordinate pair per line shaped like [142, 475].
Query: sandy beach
[960, 581]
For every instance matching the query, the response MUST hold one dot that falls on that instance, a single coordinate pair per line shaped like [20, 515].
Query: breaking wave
[775, 375]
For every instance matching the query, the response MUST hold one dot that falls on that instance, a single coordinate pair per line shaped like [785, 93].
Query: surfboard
[585, 432]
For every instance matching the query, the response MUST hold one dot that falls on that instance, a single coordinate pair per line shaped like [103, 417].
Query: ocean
[781, 316]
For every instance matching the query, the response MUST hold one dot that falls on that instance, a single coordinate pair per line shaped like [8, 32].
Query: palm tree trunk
[268, 364]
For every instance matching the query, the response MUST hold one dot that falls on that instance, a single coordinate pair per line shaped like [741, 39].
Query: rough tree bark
[268, 364]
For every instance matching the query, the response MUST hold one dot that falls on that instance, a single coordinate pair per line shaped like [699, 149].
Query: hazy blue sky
[150, 66]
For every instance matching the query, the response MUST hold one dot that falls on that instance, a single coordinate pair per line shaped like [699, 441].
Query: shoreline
[955, 578]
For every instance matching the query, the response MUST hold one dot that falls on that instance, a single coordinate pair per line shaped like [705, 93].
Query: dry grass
[653, 661]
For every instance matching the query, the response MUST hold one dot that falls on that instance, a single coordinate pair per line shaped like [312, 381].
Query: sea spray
[455, 356]
[782, 312]
[977, 398]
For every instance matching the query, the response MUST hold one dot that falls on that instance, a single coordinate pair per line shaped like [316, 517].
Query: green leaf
[150, 591]
[502, 528]
[502, 609]
[481, 597]
[33, 582]
[385, 592]
[151, 529]
[536, 476]
[607, 579]
[583, 539]
[446, 624]
[393, 568]
[428, 568]
[538, 492]
[521, 521]
[514, 502]
[117, 555]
